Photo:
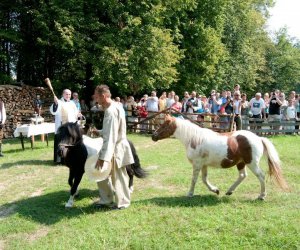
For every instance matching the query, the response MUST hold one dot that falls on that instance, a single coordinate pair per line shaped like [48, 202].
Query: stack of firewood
[19, 105]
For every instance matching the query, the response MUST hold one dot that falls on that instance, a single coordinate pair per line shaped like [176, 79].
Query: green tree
[136, 46]
[284, 63]
[246, 42]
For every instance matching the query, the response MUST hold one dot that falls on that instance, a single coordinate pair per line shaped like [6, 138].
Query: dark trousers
[238, 122]
[298, 116]
[57, 159]
[258, 117]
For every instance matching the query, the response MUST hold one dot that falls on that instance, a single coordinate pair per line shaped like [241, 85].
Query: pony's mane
[70, 133]
[187, 131]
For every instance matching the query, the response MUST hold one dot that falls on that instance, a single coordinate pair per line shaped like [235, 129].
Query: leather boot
[1, 155]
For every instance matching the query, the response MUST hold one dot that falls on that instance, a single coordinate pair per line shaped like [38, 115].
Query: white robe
[114, 137]
[2, 113]
[66, 112]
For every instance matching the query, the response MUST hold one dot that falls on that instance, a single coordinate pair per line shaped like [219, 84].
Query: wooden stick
[48, 83]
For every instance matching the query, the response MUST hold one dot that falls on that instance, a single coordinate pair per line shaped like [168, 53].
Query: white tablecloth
[31, 129]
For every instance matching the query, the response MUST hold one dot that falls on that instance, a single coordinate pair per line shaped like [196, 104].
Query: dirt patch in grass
[149, 168]
[2, 243]
[148, 145]
[156, 184]
[2, 186]
[42, 232]
[37, 193]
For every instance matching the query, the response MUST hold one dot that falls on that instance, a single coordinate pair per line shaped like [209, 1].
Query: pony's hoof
[229, 193]
[217, 191]
[69, 204]
[131, 189]
[190, 195]
[261, 198]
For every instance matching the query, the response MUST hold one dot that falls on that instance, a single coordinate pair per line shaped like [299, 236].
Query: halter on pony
[205, 148]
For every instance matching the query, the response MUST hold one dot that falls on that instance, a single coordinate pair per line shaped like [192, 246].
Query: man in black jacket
[274, 109]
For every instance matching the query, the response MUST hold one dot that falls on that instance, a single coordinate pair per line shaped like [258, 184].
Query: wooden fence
[219, 123]
[265, 127]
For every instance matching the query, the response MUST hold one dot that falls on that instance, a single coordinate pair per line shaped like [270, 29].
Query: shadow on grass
[27, 162]
[50, 208]
[14, 141]
[183, 201]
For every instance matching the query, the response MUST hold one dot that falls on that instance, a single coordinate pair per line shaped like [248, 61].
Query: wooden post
[32, 141]
[231, 122]
[22, 140]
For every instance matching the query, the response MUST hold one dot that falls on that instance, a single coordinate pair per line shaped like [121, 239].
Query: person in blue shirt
[76, 101]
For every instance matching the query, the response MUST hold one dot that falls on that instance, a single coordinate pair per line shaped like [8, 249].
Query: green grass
[33, 193]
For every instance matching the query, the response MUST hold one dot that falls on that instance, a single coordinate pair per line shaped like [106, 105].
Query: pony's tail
[274, 163]
[136, 166]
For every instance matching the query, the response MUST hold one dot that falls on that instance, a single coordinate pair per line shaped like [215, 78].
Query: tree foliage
[136, 46]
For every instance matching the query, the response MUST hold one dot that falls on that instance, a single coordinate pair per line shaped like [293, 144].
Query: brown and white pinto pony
[205, 147]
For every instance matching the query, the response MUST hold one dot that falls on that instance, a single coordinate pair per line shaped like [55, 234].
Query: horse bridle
[63, 147]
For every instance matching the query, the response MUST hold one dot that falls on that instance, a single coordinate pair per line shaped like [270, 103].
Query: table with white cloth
[30, 130]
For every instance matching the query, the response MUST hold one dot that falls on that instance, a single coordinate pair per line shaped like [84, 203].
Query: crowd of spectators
[272, 107]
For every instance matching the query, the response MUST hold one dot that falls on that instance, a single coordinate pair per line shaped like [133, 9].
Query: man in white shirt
[64, 111]
[115, 151]
[257, 105]
[2, 121]
[152, 102]
[152, 107]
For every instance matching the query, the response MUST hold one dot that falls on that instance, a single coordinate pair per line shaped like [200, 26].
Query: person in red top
[142, 113]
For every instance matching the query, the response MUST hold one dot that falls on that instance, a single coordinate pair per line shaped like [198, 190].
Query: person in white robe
[2, 121]
[114, 191]
[64, 111]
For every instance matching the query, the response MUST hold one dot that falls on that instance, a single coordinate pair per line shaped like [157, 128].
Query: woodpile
[19, 101]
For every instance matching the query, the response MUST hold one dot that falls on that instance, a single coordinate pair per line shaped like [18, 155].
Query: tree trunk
[89, 83]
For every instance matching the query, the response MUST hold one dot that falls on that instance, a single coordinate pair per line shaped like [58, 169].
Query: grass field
[33, 193]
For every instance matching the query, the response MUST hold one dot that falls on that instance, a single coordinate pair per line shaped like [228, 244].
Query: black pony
[74, 155]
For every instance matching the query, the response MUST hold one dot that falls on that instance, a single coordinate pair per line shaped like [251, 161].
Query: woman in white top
[283, 106]
[237, 110]
[291, 114]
